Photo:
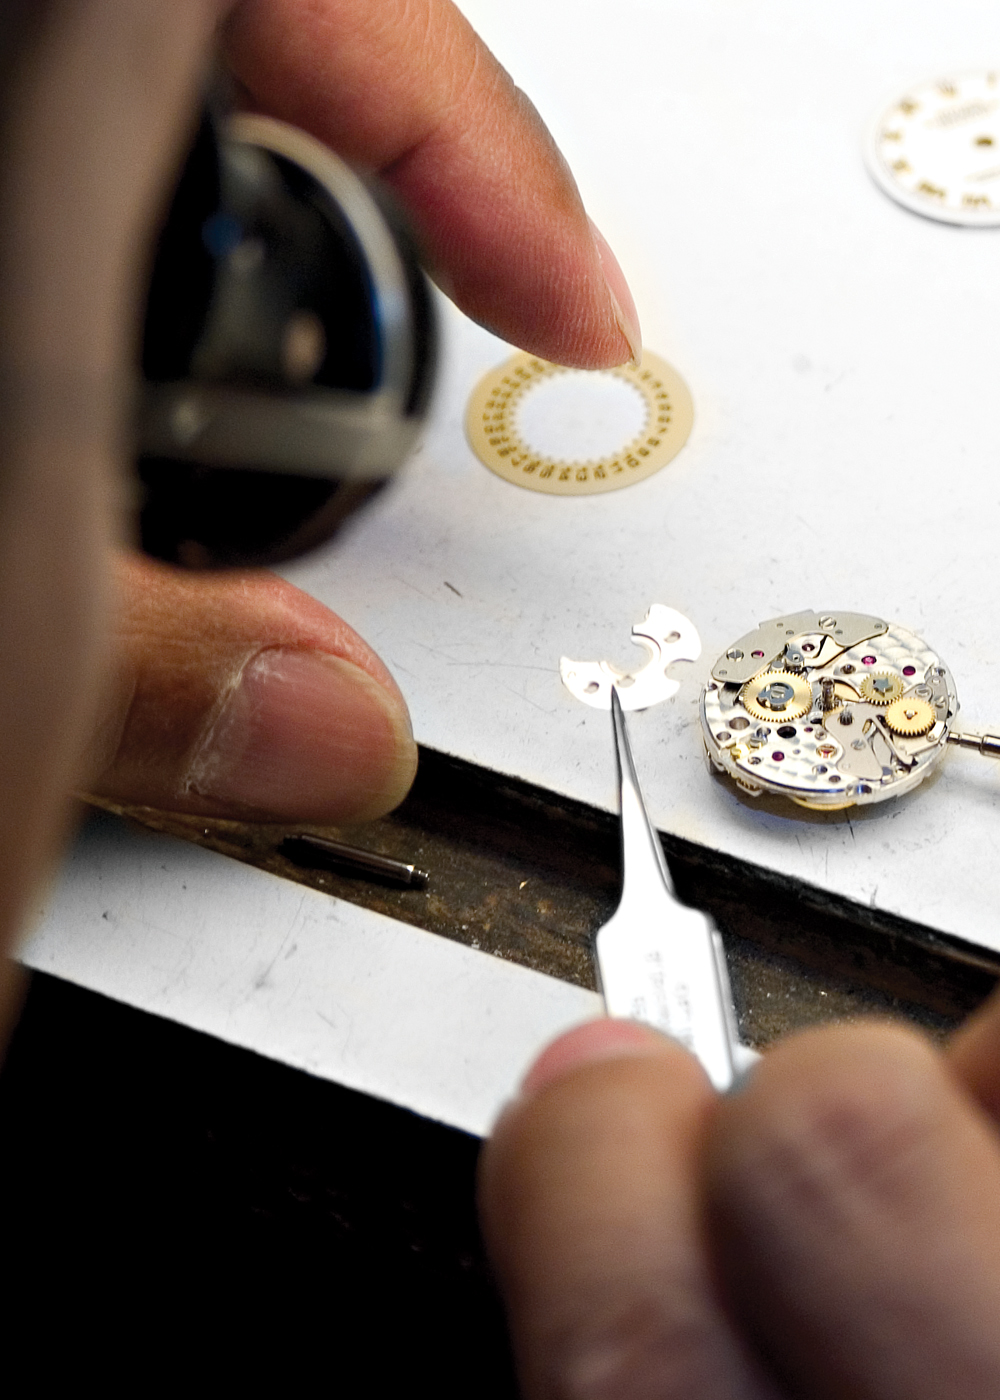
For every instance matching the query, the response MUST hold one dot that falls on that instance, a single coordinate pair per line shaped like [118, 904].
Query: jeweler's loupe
[288, 350]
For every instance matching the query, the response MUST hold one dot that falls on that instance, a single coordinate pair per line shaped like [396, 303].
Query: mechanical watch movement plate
[828, 709]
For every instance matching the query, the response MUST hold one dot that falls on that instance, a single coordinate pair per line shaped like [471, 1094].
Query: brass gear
[891, 688]
[764, 697]
[910, 716]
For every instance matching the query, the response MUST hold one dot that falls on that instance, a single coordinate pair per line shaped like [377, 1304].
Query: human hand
[832, 1231]
[240, 696]
[202, 715]
[96, 100]
[236, 695]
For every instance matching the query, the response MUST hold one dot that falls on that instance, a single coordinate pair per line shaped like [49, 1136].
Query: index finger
[853, 1200]
[406, 88]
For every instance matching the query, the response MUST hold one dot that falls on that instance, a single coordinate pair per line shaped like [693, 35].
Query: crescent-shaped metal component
[667, 636]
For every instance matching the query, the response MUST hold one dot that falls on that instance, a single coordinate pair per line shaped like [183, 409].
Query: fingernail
[621, 298]
[605, 1039]
[307, 737]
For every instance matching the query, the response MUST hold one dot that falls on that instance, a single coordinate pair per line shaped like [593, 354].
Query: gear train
[830, 709]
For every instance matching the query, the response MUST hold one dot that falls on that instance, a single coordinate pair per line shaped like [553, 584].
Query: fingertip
[589, 1208]
[622, 303]
[491, 198]
[825, 1084]
[608, 1060]
[974, 1056]
[594, 1041]
[850, 1190]
[842, 1053]
[813, 1147]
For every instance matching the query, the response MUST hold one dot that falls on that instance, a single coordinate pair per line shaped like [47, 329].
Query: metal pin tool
[658, 960]
[323, 853]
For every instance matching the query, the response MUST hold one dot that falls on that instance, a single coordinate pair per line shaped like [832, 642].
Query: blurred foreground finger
[974, 1056]
[239, 695]
[590, 1213]
[854, 1201]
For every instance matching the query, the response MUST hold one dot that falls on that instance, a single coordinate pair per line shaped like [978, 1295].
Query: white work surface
[844, 361]
[844, 357]
[293, 974]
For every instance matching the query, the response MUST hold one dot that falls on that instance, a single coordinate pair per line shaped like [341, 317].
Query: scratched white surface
[291, 973]
[844, 356]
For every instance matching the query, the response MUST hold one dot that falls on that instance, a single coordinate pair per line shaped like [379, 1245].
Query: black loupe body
[288, 350]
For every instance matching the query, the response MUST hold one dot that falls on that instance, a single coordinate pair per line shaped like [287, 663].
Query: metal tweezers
[658, 960]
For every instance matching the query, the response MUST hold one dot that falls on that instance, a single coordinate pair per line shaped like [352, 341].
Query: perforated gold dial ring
[491, 426]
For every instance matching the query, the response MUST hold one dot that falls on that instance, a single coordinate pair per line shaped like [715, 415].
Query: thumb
[239, 695]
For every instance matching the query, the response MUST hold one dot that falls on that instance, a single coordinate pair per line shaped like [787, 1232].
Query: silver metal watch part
[848, 746]
[667, 636]
[826, 632]
[986, 744]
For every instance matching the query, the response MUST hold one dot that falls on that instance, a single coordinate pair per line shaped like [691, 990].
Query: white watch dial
[936, 149]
